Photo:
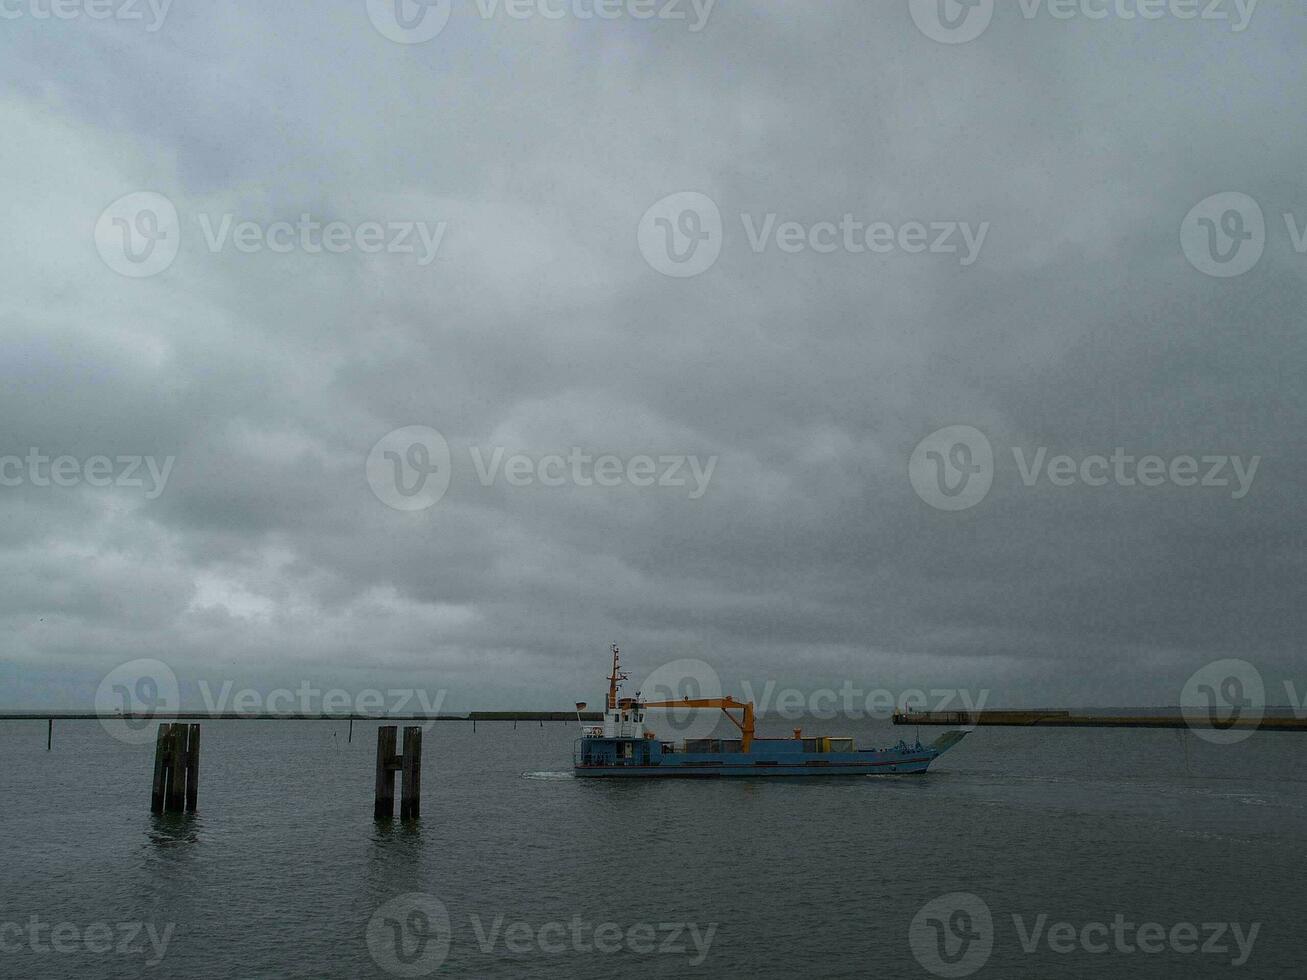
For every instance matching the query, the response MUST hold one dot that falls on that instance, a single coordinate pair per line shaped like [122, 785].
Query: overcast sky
[537, 317]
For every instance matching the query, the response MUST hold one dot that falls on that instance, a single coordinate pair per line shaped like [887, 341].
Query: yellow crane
[744, 723]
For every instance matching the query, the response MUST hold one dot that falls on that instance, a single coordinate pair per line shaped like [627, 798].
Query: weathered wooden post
[388, 763]
[176, 769]
[350, 738]
[192, 768]
[175, 802]
[410, 803]
[160, 768]
[49, 735]
[384, 806]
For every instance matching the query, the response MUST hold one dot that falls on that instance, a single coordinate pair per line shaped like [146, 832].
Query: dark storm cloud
[540, 327]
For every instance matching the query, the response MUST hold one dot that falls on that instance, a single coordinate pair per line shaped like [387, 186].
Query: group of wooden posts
[177, 771]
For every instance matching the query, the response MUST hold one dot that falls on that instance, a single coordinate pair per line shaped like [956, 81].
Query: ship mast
[613, 680]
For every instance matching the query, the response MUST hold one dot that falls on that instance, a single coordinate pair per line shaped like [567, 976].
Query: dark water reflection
[283, 869]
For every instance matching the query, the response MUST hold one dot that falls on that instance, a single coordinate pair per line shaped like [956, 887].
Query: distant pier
[1069, 719]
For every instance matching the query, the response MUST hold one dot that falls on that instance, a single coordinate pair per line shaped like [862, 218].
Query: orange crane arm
[744, 723]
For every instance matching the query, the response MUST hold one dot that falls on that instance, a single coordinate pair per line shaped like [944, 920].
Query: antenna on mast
[615, 679]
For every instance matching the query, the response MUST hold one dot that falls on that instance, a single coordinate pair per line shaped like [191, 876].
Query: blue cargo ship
[622, 747]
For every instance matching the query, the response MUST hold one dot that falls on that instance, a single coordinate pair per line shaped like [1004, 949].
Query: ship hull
[616, 758]
[751, 771]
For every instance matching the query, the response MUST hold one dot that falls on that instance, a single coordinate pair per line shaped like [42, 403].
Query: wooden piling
[176, 800]
[384, 806]
[192, 767]
[49, 735]
[160, 770]
[176, 769]
[410, 804]
[409, 765]
[350, 737]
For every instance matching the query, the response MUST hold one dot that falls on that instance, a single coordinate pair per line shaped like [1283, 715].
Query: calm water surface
[282, 870]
